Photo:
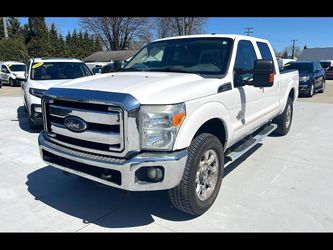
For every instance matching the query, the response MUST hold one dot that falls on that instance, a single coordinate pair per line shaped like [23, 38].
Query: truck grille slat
[94, 136]
[104, 133]
[107, 118]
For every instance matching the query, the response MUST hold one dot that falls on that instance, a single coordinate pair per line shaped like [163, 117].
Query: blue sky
[313, 32]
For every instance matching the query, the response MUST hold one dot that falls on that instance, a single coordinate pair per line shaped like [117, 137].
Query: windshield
[204, 56]
[58, 70]
[17, 67]
[301, 67]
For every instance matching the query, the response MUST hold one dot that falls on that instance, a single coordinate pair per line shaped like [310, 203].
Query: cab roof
[232, 36]
[55, 59]
[12, 62]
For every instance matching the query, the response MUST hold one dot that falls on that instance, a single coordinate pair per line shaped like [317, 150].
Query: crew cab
[43, 73]
[181, 110]
[12, 73]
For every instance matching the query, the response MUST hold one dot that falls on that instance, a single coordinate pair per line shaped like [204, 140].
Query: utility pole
[293, 50]
[5, 27]
[248, 31]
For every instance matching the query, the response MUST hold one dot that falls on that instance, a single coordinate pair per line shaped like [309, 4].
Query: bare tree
[117, 33]
[170, 26]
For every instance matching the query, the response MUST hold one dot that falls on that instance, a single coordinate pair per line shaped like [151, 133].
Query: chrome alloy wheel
[207, 175]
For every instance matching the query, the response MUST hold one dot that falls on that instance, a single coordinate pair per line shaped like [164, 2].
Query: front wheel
[311, 90]
[202, 176]
[283, 121]
[322, 90]
[11, 82]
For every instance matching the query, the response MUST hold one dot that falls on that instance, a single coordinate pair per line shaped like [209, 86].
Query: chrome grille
[105, 125]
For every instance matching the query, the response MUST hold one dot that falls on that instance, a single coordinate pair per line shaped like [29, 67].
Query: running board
[247, 144]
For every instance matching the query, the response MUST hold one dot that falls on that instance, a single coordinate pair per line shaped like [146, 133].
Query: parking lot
[283, 184]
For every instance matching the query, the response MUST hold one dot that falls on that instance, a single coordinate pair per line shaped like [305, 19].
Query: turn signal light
[178, 119]
[271, 78]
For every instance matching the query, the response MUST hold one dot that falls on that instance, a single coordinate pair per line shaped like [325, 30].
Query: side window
[245, 58]
[4, 69]
[265, 52]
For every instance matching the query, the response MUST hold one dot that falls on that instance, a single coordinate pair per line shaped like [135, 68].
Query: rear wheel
[202, 176]
[283, 121]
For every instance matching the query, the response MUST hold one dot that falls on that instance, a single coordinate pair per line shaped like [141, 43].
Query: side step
[246, 144]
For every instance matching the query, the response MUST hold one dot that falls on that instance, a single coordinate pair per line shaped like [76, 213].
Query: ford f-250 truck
[181, 110]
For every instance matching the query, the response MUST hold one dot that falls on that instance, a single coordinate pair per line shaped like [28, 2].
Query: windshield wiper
[176, 70]
[132, 69]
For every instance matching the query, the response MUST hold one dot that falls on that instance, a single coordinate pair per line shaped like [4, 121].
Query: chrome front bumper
[173, 164]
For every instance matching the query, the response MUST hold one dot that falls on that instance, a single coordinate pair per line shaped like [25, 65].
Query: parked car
[311, 76]
[326, 63]
[43, 73]
[181, 110]
[111, 67]
[329, 73]
[283, 61]
[97, 69]
[12, 73]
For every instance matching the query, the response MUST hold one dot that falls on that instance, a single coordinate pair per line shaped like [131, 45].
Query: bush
[13, 50]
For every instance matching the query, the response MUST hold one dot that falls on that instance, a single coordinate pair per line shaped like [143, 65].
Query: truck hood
[149, 87]
[46, 84]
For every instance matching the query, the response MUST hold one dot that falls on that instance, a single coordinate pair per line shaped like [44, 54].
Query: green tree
[13, 50]
[37, 37]
[14, 28]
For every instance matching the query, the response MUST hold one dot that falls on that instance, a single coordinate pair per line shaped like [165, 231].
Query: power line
[248, 31]
[293, 50]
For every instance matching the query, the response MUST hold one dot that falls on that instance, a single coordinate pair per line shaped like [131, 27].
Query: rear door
[270, 94]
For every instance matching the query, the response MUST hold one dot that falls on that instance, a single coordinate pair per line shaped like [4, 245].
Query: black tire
[311, 90]
[281, 120]
[11, 82]
[184, 196]
[32, 126]
[322, 90]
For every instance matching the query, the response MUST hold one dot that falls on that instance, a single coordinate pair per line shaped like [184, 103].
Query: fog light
[38, 109]
[154, 173]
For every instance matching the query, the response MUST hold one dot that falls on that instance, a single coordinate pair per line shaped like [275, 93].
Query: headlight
[305, 78]
[37, 92]
[159, 125]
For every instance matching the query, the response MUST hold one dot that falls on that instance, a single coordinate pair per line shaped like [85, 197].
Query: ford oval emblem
[75, 124]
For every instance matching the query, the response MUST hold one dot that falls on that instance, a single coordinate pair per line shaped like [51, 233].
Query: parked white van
[12, 73]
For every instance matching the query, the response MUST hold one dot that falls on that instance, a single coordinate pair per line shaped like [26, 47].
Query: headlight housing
[159, 125]
[305, 78]
[37, 92]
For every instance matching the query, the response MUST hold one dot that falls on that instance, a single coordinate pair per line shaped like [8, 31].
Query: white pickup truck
[181, 110]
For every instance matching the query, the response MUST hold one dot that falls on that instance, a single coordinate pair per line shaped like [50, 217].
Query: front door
[248, 102]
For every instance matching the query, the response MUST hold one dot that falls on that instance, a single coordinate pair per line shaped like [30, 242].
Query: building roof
[316, 54]
[108, 56]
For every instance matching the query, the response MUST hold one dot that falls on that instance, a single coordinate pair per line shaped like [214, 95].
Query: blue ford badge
[75, 124]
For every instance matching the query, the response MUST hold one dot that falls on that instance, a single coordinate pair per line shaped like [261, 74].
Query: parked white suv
[43, 73]
[12, 73]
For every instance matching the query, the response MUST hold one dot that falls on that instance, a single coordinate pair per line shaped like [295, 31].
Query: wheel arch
[210, 118]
